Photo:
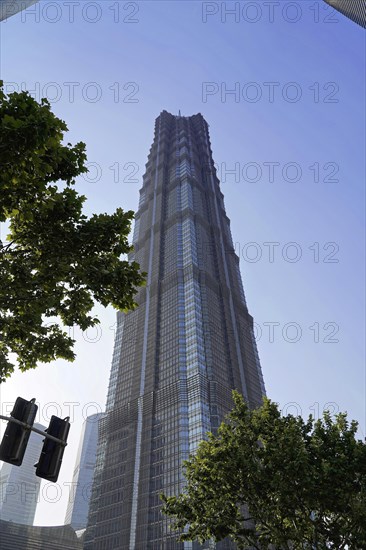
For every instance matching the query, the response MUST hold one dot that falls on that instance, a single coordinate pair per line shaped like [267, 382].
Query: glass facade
[180, 354]
[78, 505]
[19, 485]
[14, 536]
[354, 9]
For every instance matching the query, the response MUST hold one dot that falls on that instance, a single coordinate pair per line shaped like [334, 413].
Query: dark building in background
[11, 7]
[14, 536]
[354, 9]
[180, 354]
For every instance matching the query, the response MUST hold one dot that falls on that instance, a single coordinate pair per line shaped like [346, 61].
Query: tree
[56, 260]
[265, 479]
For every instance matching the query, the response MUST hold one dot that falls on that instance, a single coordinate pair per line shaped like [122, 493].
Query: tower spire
[179, 355]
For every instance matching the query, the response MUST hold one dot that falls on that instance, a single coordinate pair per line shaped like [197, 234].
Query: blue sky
[113, 77]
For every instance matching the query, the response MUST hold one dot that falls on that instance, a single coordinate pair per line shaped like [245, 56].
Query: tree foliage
[56, 261]
[265, 479]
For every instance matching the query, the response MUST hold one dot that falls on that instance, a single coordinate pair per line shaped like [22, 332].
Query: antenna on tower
[179, 113]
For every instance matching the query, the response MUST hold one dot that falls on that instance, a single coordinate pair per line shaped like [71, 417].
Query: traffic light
[14, 442]
[49, 464]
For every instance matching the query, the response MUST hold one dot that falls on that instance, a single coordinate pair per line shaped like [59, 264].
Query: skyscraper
[16, 536]
[353, 9]
[78, 506]
[180, 354]
[19, 485]
[11, 7]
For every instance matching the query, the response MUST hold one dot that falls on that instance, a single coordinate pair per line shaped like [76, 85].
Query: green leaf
[60, 262]
[267, 480]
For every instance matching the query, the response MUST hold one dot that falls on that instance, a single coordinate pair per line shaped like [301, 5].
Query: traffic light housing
[49, 464]
[15, 439]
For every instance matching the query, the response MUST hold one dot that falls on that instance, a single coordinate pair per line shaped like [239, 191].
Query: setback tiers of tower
[180, 354]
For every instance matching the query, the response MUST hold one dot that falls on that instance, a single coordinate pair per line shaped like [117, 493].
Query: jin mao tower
[178, 356]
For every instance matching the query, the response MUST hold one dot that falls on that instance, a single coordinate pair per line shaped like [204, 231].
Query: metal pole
[36, 430]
